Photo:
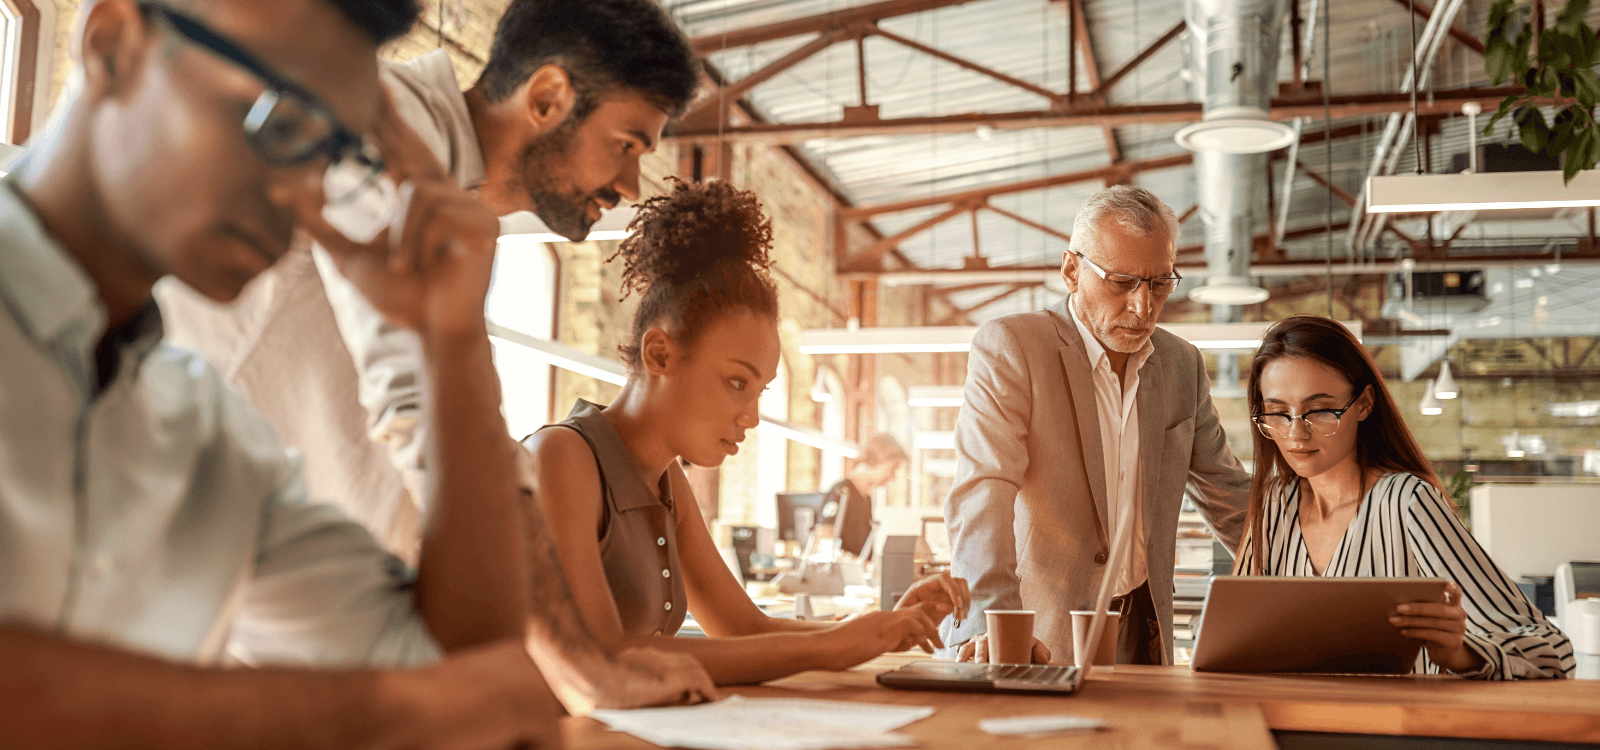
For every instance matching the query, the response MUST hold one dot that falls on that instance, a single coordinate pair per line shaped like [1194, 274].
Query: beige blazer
[1026, 513]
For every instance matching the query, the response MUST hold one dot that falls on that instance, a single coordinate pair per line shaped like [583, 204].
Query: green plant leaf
[1583, 154]
[1562, 132]
[1496, 61]
[1534, 132]
[1587, 86]
[1549, 83]
[1499, 13]
[1588, 148]
[1553, 49]
[1571, 17]
[1589, 49]
[1505, 109]
[1529, 136]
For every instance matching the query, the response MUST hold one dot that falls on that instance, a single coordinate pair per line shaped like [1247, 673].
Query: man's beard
[1120, 340]
[563, 211]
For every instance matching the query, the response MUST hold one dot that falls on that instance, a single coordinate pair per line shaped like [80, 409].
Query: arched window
[833, 422]
[25, 27]
[772, 464]
[522, 297]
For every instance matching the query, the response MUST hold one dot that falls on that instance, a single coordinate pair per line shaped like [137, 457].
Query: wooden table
[1154, 707]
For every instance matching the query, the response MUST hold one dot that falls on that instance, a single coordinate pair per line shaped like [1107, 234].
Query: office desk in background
[1172, 707]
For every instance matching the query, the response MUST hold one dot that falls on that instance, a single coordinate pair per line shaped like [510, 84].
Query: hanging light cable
[1514, 442]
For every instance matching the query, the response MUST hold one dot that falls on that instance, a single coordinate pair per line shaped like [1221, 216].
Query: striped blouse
[1405, 528]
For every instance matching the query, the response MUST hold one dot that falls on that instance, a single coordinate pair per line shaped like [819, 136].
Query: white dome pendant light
[1430, 403]
[1445, 387]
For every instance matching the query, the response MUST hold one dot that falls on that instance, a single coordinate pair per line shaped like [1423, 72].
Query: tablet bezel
[1309, 625]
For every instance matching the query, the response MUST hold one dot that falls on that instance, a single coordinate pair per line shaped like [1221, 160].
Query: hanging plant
[1561, 69]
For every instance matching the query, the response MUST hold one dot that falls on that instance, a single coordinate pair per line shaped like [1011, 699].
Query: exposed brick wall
[62, 66]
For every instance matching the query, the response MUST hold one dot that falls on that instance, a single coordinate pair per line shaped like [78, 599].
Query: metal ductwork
[1233, 60]
[1231, 195]
[1233, 57]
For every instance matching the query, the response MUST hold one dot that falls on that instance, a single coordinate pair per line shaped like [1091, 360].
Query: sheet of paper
[740, 723]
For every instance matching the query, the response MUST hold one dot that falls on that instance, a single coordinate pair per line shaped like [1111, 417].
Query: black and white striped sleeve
[1514, 639]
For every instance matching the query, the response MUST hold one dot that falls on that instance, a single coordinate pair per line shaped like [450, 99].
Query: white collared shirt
[160, 513]
[1116, 403]
[334, 377]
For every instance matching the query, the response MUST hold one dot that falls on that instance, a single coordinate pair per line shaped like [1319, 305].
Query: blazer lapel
[1075, 361]
[1152, 400]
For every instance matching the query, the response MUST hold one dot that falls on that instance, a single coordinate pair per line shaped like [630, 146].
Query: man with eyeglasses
[1079, 418]
[152, 526]
[574, 93]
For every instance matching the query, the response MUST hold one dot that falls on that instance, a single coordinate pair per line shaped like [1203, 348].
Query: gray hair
[1134, 209]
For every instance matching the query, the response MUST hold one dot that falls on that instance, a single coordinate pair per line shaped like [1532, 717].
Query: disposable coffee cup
[1010, 635]
[1105, 657]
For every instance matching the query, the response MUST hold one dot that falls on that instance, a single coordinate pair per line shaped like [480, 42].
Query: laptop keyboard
[1035, 674]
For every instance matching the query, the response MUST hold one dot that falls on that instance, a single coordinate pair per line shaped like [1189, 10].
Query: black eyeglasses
[288, 125]
[1319, 422]
[1160, 286]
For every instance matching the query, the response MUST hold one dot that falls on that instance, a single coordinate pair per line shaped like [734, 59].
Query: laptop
[1309, 625]
[1016, 678]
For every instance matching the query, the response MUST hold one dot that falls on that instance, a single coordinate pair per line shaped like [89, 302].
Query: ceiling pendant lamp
[1445, 387]
[819, 386]
[1430, 403]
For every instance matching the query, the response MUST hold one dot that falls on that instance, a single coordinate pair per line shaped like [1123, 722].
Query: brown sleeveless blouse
[638, 543]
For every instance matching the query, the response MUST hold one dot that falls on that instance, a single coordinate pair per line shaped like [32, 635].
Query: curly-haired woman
[704, 345]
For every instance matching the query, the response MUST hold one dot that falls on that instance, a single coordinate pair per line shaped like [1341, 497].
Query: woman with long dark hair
[625, 523]
[1341, 488]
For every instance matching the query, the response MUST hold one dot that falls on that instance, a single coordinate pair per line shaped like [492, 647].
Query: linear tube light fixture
[935, 396]
[1489, 191]
[812, 437]
[1210, 336]
[933, 441]
[611, 371]
[613, 225]
[565, 357]
[887, 340]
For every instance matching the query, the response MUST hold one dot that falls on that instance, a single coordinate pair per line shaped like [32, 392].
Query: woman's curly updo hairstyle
[695, 254]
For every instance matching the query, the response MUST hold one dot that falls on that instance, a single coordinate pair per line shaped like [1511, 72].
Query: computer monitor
[852, 521]
[797, 515]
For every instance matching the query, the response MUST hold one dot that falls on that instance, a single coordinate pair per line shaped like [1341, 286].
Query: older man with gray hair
[1077, 417]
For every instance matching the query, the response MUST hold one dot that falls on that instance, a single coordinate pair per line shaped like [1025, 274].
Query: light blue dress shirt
[162, 514]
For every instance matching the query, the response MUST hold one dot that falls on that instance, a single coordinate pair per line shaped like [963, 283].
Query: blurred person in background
[850, 501]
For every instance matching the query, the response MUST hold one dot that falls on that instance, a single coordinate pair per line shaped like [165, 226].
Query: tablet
[1323, 625]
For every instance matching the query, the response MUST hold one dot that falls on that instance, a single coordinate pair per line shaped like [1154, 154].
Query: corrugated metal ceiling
[1027, 39]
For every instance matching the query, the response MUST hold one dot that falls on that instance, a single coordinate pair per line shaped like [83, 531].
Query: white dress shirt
[161, 513]
[333, 376]
[1116, 402]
